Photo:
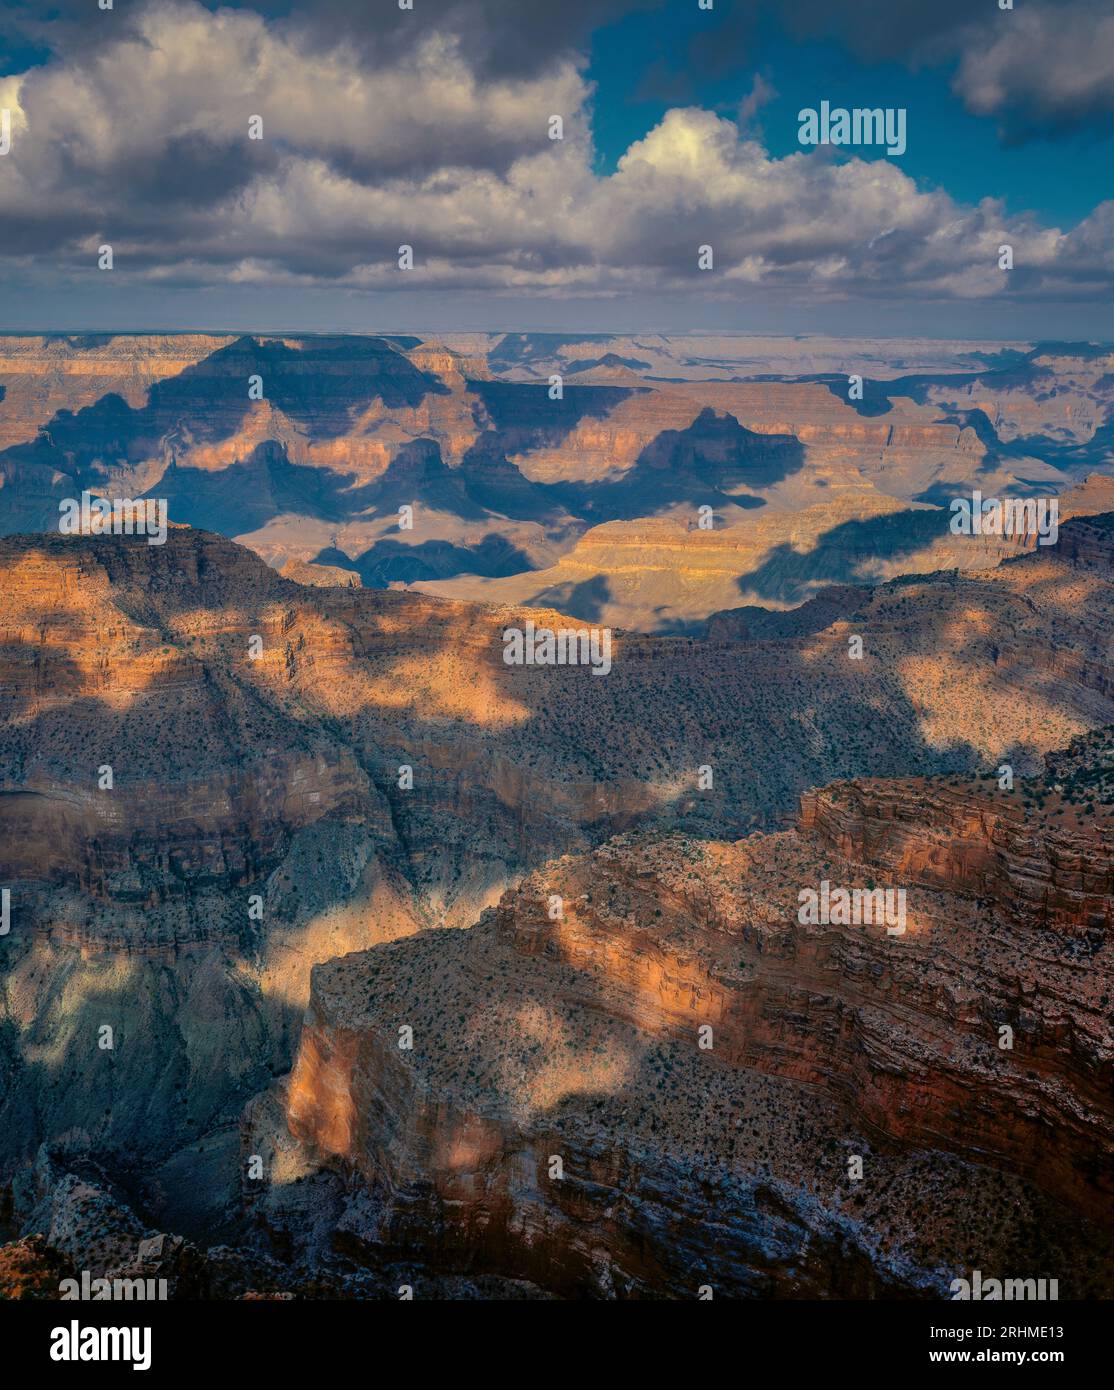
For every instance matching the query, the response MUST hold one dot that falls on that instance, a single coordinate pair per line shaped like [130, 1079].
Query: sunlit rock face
[1045, 864]
[642, 1073]
[658, 482]
[257, 822]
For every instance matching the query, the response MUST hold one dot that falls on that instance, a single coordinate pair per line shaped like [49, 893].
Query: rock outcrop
[260, 819]
[1046, 867]
[642, 1073]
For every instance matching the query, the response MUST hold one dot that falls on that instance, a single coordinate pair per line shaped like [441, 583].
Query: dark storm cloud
[1045, 70]
[880, 30]
[500, 38]
[62, 28]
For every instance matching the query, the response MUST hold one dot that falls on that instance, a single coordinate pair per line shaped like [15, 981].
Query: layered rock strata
[642, 1073]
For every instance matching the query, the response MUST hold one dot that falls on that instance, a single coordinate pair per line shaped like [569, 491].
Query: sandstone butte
[537, 1039]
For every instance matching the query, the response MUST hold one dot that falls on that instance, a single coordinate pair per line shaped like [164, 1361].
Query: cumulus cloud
[143, 142]
[188, 77]
[1042, 70]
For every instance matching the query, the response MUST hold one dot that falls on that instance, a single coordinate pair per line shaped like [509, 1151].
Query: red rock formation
[131, 907]
[978, 843]
[578, 1038]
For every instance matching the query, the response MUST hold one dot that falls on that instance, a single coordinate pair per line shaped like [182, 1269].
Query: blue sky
[641, 67]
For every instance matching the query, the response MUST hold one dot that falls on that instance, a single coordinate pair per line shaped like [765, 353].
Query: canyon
[702, 1067]
[424, 969]
[673, 1088]
[590, 502]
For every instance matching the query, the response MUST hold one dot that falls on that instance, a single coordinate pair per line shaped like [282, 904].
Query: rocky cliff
[371, 766]
[1043, 862]
[642, 1073]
